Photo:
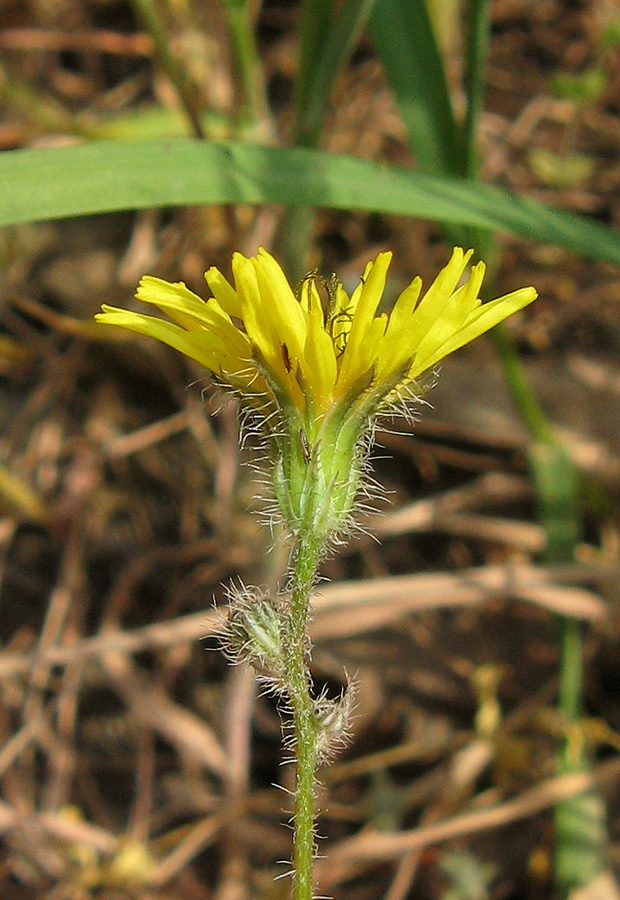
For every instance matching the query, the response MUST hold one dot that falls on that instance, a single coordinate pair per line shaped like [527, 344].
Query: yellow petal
[201, 346]
[341, 318]
[279, 304]
[181, 305]
[223, 292]
[400, 317]
[429, 308]
[367, 357]
[357, 293]
[482, 319]
[451, 313]
[353, 361]
[259, 331]
[373, 285]
[320, 369]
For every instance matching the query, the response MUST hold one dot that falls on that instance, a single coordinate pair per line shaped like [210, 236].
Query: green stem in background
[580, 829]
[325, 46]
[294, 238]
[571, 671]
[442, 147]
[405, 41]
[294, 241]
[42, 110]
[296, 652]
[474, 82]
[580, 822]
[521, 389]
[146, 13]
[313, 32]
[245, 50]
[330, 54]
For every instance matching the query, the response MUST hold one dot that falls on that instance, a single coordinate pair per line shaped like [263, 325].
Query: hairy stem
[296, 645]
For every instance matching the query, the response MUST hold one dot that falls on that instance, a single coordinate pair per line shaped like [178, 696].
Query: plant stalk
[296, 645]
[571, 671]
[147, 14]
[247, 58]
[327, 41]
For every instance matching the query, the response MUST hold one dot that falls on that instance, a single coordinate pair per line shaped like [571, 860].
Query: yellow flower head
[275, 346]
[318, 371]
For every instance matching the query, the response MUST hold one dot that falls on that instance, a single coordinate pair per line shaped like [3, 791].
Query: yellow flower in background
[318, 375]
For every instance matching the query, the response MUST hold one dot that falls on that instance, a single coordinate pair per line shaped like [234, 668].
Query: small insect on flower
[326, 288]
[305, 447]
[286, 358]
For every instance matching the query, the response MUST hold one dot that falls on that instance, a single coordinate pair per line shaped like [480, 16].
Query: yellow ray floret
[281, 348]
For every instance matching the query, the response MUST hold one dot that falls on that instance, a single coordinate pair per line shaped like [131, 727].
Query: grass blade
[105, 176]
[313, 32]
[406, 44]
[328, 60]
[478, 31]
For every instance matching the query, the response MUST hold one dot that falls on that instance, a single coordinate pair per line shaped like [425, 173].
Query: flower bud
[332, 718]
[252, 632]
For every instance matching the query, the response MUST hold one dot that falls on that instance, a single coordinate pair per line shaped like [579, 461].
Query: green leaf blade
[108, 176]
